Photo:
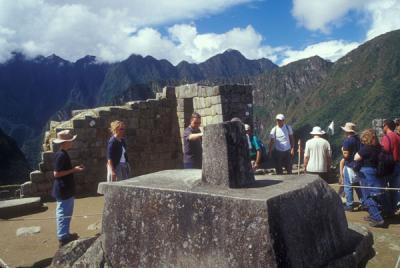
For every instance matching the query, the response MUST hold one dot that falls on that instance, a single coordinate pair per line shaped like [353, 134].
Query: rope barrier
[365, 187]
[53, 218]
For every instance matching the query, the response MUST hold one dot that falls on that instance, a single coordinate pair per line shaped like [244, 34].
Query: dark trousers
[282, 159]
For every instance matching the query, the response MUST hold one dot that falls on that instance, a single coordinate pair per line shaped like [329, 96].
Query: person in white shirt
[281, 145]
[317, 154]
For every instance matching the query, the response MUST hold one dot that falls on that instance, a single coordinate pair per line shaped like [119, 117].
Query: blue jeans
[64, 212]
[348, 191]
[394, 182]
[375, 199]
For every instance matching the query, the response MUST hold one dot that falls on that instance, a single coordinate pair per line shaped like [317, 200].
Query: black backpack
[386, 161]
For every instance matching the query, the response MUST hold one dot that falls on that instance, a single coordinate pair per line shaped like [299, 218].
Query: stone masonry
[154, 130]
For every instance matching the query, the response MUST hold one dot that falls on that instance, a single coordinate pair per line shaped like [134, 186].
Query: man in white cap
[281, 145]
[317, 154]
[351, 145]
[64, 186]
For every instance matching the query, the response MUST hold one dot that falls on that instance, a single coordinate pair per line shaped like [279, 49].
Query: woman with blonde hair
[117, 159]
[367, 156]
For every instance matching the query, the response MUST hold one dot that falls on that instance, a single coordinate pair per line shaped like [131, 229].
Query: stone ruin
[220, 217]
[154, 130]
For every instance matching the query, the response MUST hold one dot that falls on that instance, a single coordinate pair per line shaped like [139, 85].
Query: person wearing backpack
[281, 145]
[254, 148]
[391, 143]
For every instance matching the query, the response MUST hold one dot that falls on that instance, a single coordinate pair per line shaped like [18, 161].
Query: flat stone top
[265, 187]
[20, 202]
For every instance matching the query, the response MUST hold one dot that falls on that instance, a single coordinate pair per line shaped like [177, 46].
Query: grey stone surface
[94, 256]
[27, 231]
[71, 252]
[226, 160]
[173, 220]
[14, 206]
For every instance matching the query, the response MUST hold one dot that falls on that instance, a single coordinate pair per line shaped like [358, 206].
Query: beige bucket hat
[349, 127]
[63, 136]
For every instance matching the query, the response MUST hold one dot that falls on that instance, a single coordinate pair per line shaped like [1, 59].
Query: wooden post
[299, 152]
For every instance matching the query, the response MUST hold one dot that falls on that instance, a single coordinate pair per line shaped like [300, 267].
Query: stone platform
[13, 207]
[173, 220]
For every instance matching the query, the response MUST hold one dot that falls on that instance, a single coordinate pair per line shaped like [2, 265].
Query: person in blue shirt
[351, 144]
[118, 167]
[64, 186]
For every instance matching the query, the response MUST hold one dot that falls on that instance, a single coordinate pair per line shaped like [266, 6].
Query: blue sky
[281, 30]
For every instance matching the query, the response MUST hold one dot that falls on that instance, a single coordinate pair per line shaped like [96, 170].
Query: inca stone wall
[215, 104]
[154, 132]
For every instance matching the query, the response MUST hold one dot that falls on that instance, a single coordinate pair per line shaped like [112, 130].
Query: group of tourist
[363, 161]
[281, 145]
[360, 151]
[361, 168]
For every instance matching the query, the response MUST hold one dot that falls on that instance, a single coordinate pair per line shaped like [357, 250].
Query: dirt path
[37, 250]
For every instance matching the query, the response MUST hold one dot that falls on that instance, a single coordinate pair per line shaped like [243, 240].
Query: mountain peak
[88, 59]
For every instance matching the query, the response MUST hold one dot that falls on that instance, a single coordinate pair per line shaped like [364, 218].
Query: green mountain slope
[361, 86]
[282, 89]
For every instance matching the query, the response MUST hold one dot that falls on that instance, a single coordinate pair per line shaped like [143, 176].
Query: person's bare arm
[113, 174]
[357, 157]
[195, 136]
[291, 139]
[328, 162]
[341, 171]
[258, 159]
[270, 146]
[63, 173]
[306, 159]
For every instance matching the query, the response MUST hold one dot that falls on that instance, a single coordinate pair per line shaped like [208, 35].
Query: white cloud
[316, 15]
[385, 15]
[110, 29]
[196, 47]
[330, 50]
[321, 15]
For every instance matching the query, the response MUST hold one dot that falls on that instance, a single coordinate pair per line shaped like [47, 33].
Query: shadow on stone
[39, 264]
[263, 183]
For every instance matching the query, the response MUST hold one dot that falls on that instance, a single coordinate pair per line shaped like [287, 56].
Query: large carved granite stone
[226, 159]
[171, 219]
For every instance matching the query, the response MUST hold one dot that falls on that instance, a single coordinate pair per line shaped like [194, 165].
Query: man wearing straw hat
[64, 186]
[351, 144]
[317, 154]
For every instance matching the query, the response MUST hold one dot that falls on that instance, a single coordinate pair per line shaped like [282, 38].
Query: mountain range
[34, 91]
[361, 86]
